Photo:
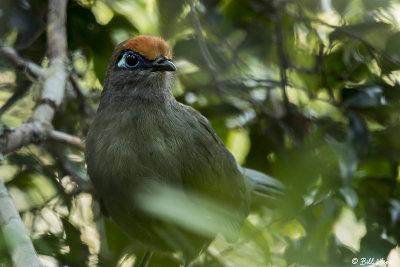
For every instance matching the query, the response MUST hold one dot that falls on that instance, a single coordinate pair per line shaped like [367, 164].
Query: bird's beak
[163, 63]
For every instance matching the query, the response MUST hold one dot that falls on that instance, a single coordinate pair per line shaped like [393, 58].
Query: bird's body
[142, 136]
[184, 162]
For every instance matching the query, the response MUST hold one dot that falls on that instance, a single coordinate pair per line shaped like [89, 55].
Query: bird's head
[142, 64]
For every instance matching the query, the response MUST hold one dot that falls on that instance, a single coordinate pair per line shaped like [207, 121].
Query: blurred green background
[306, 91]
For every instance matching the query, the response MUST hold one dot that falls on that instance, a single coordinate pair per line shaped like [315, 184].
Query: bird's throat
[136, 96]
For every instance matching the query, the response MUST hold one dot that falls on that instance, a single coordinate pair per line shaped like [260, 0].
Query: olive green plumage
[142, 137]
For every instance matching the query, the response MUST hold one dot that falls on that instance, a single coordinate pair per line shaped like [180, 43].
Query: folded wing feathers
[262, 184]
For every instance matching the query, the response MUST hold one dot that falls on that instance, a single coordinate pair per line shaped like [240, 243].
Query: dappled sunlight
[306, 92]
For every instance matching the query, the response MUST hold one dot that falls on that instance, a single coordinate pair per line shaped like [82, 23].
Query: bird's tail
[262, 185]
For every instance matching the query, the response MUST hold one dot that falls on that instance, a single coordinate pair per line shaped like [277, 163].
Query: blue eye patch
[131, 60]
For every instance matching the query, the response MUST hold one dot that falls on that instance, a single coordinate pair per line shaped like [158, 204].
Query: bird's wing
[208, 168]
[262, 184]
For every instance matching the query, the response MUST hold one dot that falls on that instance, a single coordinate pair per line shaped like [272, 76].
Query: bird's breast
[131, 147]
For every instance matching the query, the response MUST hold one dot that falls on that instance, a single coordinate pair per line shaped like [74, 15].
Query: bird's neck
[136, 95]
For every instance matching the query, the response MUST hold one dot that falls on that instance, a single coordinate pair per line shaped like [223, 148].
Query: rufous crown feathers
[147, 46]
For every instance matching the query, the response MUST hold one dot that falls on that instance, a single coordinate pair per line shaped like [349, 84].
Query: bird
[142, 140]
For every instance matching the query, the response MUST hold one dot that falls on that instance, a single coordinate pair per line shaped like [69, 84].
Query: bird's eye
[130, 60]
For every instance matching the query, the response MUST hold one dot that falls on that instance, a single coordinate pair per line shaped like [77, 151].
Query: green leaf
[358, 134]
[240, 13]
[348, 230]
[48, 244]
[170, 21]
[393, 52]
[350, 196]
[84, 32]
[22, 86]
[363, 96]
[348, 160]
[375, 167]
[358, 30]
[78, 251]
[375, 4]
[259, 239]
[340, 5]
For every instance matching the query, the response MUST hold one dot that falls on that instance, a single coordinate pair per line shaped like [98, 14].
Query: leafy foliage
[313, 88]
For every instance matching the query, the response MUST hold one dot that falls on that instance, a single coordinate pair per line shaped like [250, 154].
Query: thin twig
[7, 85]
[283, 62]
[216, 256]
[26, 65]
[210, 63]
[200, 38]
[67, 138]
[16, 237]
[83, 106]
[145, 260]
[76, 85]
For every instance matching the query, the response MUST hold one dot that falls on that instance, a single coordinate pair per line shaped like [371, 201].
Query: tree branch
[24, 134]
[29, 132]
[53, 86]
[17, 238]
[283, 62]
